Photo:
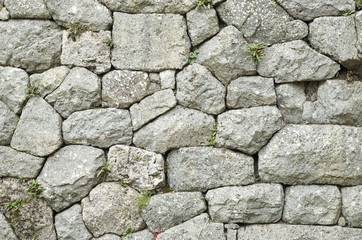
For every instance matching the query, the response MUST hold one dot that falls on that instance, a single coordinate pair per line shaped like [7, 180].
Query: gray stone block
[27, 9]
[8, 122]
[352, 205]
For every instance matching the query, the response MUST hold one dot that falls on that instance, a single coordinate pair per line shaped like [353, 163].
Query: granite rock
[6, 232]
[352, 205]
[167, 79]
[8, 122]
[290, 100]
[4, 14]
[27, 9]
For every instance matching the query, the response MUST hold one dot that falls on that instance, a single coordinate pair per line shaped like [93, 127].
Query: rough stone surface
[171, 209]
[120, 89]
[80, 90]
[224, 55]
[200, 168]
[98, 127]
[110, 208]
[108, 237]
[290, 99]
[15, 164]
[313, 154]
[13, 84]
[249, 129]
[262, 21]
[149, 42]
[202, 24]
[352, 205]
[81, 12]
[196, 228]
[89, 50]
[27, 9]
[167, 79]
[33, 45]
[39, 129]
[296, 61]
[231, 234]
[70, 226]
[358, 21]
[140, 235]
[151, 107]
[258, 203]
[197, 88]
[179, 127]
[136, 167]
[69, 174]
[4, 14]
[254, 91]
[8, 122]
[6, 232]
[314, 204]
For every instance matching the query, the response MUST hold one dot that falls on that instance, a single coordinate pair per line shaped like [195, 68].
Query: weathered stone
[15, 164]
[197, 88]
[231, 234]
[46, 82]
[252, 91]
[336, 37]
[224, 55]
[69, 174]
[39, 129]
[167, 79]
[120, 89]
[80, 90]
[136, 167]
[108, 237]
[89, 50]
[200, 168]
[313, 154]
[295, 61]
[258, 203]
[27, 9]
[150, 6]
[4, 14]
[149, 42]
[13, 85]
[33, 45]
[70, 226]
[6, 232]
[202, 24]
[81, 12]
[249, 129]
[8, 122]
[179, 127]
[98, 127]
[152, 107]
[352, 205]
[140, 235]
[262, 21]
[110, 208]
[315, 204]
[196, 228]
[171, 209]
[358, 21]
[338, 102]
[285, 232]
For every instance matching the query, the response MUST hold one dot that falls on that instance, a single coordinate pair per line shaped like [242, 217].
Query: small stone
[231, 234]
[352, 205]
[6, 232]
[290, 99]
[232, 226]
[8, 122]
[27, 9]
[341, 222]
[4, 14]
[167, 78]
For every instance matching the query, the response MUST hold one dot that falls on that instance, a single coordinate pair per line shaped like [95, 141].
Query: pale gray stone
[224, 55]
[171, 209]
[313, 154]
[6, 232]
[179, 127]
[151, 107]
[33, 45]
[27, 9]
[121, 89]
[111, 208]
[249, 129]
[197, 88]
[258, 203]
[149, 42]
[314, 204]
[201, 168]
[4, 14]
[202, 24]
[136, 167]
[295, 61]
[15, 164]
[70, 226]
[108, 237]
[231, 234]
[98, 127]
[69, 174]
[13, 85]
[262, 21]
[358, 21]
[8, 122]
[199, 227]
[80, 90]
[290, 99]
[84, 12]
[352, 205]
[39, 129]
[140, 235]
[254, 91]
[89, 50]
[167, 78]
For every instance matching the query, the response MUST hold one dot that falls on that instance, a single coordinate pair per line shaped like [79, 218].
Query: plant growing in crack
[193, 56]
[203, 3]
[143, 196]
[104, 170]
[34, 189]
[14, 205]
[128, 233]
[358, 4]
[31, 92]
[256, 51]
[75, 30]
[212, 142]
[109, 42]
[348, 12]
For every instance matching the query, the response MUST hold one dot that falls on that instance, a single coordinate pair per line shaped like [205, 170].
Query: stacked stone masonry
[151, 119]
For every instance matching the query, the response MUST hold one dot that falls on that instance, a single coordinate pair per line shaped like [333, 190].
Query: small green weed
[276, 1]
[14, 205]
[31, 92]
[348, 12]
[104, 170]
[193, 56]
[75, 30]
[23, 180]
[256, 51]
[34, 189]
[358, 4]
[122, 183]
[212, 142]
[128, 233]
[142, 198]
[109, 42]
[203, 3]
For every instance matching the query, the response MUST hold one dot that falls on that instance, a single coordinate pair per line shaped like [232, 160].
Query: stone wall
[102, 105]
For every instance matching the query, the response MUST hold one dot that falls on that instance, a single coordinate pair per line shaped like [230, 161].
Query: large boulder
[27, 9]
[8, 122]
[352, 205]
